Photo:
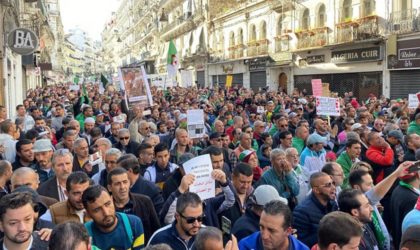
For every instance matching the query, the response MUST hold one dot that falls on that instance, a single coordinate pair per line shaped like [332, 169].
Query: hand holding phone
[414, 168]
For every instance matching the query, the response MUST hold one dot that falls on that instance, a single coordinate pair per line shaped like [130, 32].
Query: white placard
[201, 168]
[74, 87]
[195, 123]
[186, 78]
[327, 106]
[413, 101]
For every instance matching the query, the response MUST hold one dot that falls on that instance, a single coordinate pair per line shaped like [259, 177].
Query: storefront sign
[408, 55]
[22, 41]
[356, 55]
[257, 65]
[315, 59]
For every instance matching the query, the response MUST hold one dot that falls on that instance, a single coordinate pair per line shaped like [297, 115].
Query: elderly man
[245, 143]
[81, 158]
[111, 157]
[126, 145]
[43, 150]
[88, 126]
[55, 187]
[143, 131]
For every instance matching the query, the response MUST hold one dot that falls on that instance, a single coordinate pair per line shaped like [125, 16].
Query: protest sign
[201, 168]
[137, 89]
[326, 89]
[413, 101]
[316, 87]
[186, 78]
[74, 87]
[328, 106]
[229, 80]
[195, 123]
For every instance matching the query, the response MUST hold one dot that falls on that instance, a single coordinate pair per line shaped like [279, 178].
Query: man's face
[321, 126]
[88, 112]
[82, 151]
[338, 174]
[293, 157]
[219, 127]
[59, 111]
[367, 183]
[242, 183]
[273, 235]
[110, 162]
[217, 161]
[17, 224]
[377, 140]
[115, 128]
[63, 167]
[163, 128]
[69, 141]
[189, 214]
[145, 129]
[364, 212]
[147, 156]
[414, 143]
[30, 180]
[21, 111]
[102, 211]
[246, 141]
[287, 141]
[282, 125]
[259, 128]
[89, 127]
[325, 188]
[162, 158]
[217, 142]
[277, 161]
[40, 123]
[76, 125]
[354, 151]
[44, 158]
[182, 138]
[26, 153]
[75, 195]
[3, 113]
[225, 141]
[404, 125]
[379, 125]
[124, 138]
[120, 186]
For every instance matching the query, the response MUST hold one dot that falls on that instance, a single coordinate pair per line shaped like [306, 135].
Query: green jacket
[298, 144]
[345, 163]
[413, 128]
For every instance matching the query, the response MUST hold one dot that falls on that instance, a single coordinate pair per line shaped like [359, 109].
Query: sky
[89, 15]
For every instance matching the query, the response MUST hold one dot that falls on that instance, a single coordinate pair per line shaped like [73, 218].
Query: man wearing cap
[249, 222]
[43, 150]
[395, 138]
[410, 239]
[412, 218]
[88, 126]
[87, 112]
[348, 157]
[312, 157]
[293, 122]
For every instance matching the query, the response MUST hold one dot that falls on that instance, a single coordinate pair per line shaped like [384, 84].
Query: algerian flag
[103, 84]
[172, 60]
[76, 80]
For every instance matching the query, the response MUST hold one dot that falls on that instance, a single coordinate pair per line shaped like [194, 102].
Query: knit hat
[42, 145]
[331, 156]
[245, 155]
[354, 103]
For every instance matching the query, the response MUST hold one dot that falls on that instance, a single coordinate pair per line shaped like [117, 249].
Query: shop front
[359, 70]
[404, 66]
[218, 73]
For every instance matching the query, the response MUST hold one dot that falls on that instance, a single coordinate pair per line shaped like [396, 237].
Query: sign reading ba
[22, 41]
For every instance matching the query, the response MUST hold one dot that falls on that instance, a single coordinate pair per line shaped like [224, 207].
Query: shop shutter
[201, 79]
[238, 80]
[404, 82]
[258, 80]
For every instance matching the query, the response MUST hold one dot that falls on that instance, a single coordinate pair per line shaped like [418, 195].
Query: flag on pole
[103, 84]
[172, 60]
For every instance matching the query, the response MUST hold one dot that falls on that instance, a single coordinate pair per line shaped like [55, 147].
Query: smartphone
[415, 167]
[226, 230]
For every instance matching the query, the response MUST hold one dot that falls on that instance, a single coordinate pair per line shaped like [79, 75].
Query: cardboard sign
[201, 168]
[195, 123]
[316, 87]
[328, 106]
[413, 100]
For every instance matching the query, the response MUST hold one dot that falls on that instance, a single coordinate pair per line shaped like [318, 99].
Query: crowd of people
[88, 170]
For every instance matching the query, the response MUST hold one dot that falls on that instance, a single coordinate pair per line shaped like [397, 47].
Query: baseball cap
[42, 145]
[411, 234]
[263, 194]
[182, 116]
[245, 155]
[292, 115]
[356, 126]
[316, 138]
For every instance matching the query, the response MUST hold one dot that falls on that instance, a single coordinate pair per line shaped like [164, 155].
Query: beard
[108, 221]
[21, 237]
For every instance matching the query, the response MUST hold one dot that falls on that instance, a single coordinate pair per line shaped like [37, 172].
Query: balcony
[232, 52]
[364, 28]
[262, 48]
[239, 52]
[282, 6]
[406, 21]
[181, 25]
[282, 43]
[312, 38]
[252, 48]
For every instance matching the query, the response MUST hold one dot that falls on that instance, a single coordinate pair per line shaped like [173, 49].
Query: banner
[195, 123]
[413, 101]
[229, 80]
[201, 167]
[137, 89]
[327, 106]
[186, 78]
[316, 87]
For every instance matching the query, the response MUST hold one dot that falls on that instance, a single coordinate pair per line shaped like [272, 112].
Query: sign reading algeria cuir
[22, 41]
[357, 55]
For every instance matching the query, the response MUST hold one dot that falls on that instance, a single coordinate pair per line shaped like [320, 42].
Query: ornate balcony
[232, 52]
[406, 21]
[364, 28]
[252, 48]
[346, 31]
[182, 25]
[282, 6]
[239, 52]
[312, 38]
[262, 47]
[282, 43]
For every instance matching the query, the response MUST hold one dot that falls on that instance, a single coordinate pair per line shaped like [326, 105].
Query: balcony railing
[405, 21]
[282, 43]
[262, 48]
[312, 38]
[252, 48]
[232, 52]
[239, 52]
[363, 28]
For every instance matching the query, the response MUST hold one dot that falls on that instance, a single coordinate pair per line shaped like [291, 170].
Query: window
[346, 11]
[252, 33]
[305, 20]
[240, 36]
[231, 39]
[368, 7]
[263, 31]
[280, 26]
[322, 17]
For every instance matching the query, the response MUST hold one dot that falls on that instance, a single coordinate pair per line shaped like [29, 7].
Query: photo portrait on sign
[136, 86]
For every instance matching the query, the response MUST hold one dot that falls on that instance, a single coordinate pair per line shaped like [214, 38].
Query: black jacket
[131, 148]
[37, 243]
[172, 183]
[145, 187]
[246, 225]
[49, 188]
[77, 167]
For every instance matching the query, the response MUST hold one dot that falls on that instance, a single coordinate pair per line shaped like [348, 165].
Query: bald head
[25, 176]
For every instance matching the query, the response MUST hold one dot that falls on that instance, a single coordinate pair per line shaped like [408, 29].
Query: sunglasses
[124, 138]
[191, 220]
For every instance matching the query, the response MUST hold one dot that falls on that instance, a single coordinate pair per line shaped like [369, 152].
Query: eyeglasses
[327, 185]
[124, 138]
[147, 128]
[191, 220]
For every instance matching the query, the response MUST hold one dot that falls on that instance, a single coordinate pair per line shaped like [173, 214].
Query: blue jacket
[306, 218]
[169, 235]
[253, 242]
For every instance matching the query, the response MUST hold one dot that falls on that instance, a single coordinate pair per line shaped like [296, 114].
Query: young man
[159, 172]
[24, 154]
[17, 223]
[348, 157]
[110, 229]
[43, 150]
[275, 230]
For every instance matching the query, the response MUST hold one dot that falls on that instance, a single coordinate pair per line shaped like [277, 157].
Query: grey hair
[61, 153]
[206, 233]
[123, 130]
[79, 141]
[106, 141]
[142, 122]
[290, 150]
[276, 152]
[113, 151]
[23, 171]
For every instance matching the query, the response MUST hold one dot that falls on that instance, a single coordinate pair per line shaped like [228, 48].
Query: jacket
[145, 187]
[37, 243]
[169, 235]
[43, 175]
[307, 216]
[345, 163]
[253, 242]
[413, 128]
[286, 185]
[49, 188]
[298, 144]
[174, 157]
[62, 212]
[312, 161]
[246, 225]
[380, 159]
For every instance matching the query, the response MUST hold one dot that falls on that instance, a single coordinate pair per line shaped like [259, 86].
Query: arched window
[368, 7]
[252, 33]
[322, 17]
[231, 39]
[305, 20]
[280, 26]
[240, 36]
[347, 12]
[263, 30]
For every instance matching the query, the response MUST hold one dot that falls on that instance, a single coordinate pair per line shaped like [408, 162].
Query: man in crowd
[5, 176]
[160, 171]
[348, 157]
[125, 144]
[380, 156]
[181, 147]
[8, 139]
[312, 158]
[146, 156]
[111, 158]
[28, 121]
[113, 132]
[24, 154]
[299, 140]
[43, 150]
[413, 143]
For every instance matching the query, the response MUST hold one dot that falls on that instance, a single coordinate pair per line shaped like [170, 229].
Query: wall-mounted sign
[315, 59]
[22, 41]
[356, 55]
[408, 55]
[257, 65]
